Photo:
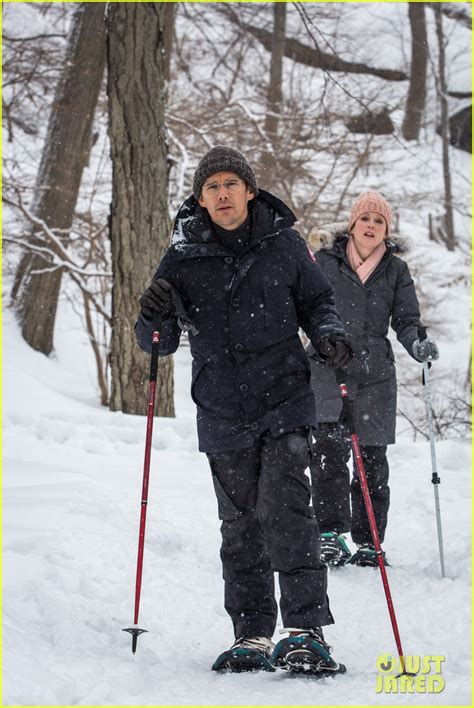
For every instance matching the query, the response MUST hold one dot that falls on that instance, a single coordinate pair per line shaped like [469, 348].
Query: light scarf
[364, 269]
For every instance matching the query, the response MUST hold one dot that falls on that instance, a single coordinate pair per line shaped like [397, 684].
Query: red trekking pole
[349, 417]
[135, 631]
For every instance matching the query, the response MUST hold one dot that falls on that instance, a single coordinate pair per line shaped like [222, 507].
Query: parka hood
[268, 215]
[330, 236]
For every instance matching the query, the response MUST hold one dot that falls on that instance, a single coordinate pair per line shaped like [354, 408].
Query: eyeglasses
[230, 185]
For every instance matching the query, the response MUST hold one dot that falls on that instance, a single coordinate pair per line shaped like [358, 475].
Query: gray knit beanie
[223, 159]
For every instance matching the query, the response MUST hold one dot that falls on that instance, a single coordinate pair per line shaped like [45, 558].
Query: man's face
[226, 196]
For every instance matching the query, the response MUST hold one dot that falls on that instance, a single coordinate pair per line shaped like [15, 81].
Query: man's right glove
[336, 352]
[156, 300]
[426, 350]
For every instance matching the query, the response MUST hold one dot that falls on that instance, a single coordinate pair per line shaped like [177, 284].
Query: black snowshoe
[246, 654]
[307, 654]
[366, 557]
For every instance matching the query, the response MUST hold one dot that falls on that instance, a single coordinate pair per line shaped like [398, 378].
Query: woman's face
[369, 231]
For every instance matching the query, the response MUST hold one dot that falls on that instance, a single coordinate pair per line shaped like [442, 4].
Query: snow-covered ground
[72, 481]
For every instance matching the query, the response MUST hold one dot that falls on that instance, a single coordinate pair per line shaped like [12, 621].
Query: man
[247, 281]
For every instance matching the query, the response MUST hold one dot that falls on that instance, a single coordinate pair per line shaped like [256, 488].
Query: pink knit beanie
[371, 201]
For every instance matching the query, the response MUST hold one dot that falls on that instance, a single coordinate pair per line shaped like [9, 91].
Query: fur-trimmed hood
[324, 238]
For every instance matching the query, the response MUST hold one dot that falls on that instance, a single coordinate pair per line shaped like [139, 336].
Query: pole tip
[135, 632]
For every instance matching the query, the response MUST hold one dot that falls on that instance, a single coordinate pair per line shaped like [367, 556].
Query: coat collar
[338, 250]
[193, 227]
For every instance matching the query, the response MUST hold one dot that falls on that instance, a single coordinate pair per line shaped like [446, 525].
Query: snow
[72, 482]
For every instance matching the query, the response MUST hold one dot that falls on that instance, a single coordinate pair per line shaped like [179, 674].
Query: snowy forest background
[107, 108]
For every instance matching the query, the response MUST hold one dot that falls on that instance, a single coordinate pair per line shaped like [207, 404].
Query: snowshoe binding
[334, 549]
[306, 653]
[366, 556]
[246, 654]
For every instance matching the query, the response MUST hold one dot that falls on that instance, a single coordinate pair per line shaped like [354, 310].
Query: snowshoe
[366, 556]
[334, 549]
[306, 653]
[246, 654]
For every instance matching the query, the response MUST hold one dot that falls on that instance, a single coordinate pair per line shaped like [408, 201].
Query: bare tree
[86, 264]
[455, 11]
[275, 89]
[31, 64]
[416, 97]
[38, 280]
[230, 104]
[140, 224]
[311, 56]
[449, 236]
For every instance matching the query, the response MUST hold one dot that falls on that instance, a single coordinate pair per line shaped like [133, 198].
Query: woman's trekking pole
[434, 468]
[135, 631]
[349, 418]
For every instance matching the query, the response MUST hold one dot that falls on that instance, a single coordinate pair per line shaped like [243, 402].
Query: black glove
[426, 350]
[156, 300]
[336, 352]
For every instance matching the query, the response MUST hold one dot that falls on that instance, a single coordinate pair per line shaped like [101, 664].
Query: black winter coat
[250, 372]
[387, 297]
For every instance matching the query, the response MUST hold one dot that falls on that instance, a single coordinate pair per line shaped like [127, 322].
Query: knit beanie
[223, 159]
[371, 201]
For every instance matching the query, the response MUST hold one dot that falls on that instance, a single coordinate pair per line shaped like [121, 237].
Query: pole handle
[422, 332]
[155, 343]
[347, 409]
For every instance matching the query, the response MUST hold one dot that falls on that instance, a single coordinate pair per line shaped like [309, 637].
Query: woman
[373, 288]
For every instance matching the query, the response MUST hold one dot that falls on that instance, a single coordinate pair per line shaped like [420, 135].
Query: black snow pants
[268, 526]
[332, 488]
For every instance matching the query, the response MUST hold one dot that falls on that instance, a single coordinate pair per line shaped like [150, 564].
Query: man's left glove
[156, 300]
[424, 351]
[336, 352]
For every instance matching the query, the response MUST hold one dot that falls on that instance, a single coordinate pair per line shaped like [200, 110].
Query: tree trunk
[275, 94]
[168, 36]
[448, 199]
[66, 152]
[140, 223]
[416, 97]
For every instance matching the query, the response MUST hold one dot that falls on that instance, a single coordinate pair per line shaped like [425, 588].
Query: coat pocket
[197, 368]
[226, 508]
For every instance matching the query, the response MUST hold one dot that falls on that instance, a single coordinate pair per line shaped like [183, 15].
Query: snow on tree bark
[140, 223]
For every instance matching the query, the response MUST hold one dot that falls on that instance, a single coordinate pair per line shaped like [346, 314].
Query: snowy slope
[72, 480]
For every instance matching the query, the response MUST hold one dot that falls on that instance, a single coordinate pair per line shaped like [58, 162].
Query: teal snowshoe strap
[334, 549]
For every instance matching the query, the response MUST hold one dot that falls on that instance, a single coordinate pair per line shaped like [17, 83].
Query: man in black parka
[247, 281]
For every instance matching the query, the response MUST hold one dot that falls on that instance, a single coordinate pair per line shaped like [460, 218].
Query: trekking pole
[349, 417]
[136, 631]
[434, 468]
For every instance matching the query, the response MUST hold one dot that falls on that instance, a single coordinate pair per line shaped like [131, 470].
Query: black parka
[367, 310]
[250, 372]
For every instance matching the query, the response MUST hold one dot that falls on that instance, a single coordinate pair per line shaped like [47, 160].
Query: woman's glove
[426, 350]
[156, 300]
[336, 352]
